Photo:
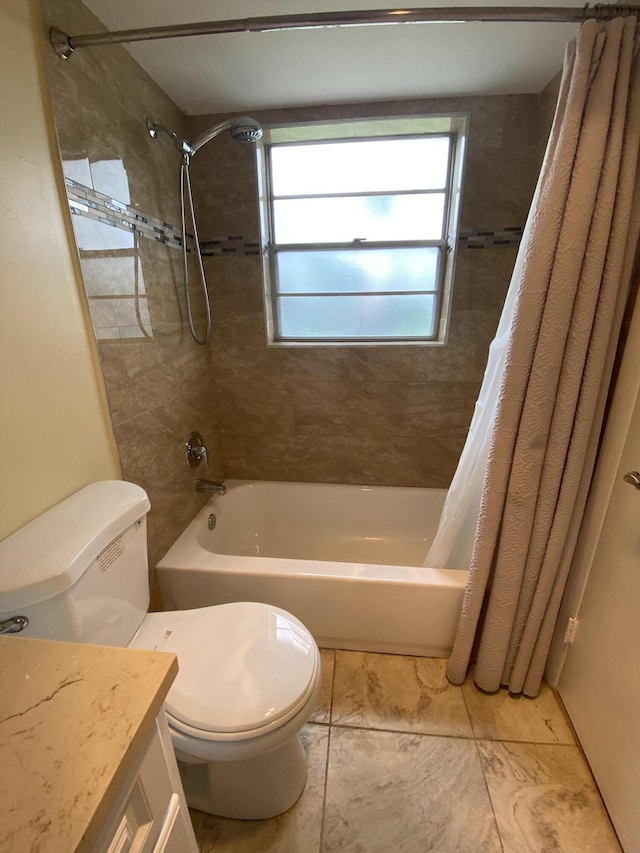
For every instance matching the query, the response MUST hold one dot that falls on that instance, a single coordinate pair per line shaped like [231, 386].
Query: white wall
[55, 430]
[615, 435]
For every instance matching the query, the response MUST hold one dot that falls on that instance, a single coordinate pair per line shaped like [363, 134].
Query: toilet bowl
[249, 680]
[249, 673]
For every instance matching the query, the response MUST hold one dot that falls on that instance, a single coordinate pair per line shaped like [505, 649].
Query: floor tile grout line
[333, 685]
[326, 765]
[484, 776]
[488, 790]
[324, 793]
[525, 742]
[468, 709]
[364, 728]
[342, 725]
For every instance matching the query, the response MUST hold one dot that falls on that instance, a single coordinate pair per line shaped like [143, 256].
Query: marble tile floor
[401, 760]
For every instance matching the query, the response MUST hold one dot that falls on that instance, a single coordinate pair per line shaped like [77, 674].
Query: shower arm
[183, 146]
[208, 135]
[64, 44]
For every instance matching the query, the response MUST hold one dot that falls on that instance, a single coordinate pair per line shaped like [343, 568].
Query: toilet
[249, 673]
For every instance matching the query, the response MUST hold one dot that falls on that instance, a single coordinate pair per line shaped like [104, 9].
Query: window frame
[445, 244]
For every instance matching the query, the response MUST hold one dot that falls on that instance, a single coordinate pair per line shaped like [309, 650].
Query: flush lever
[633, 478]
[13, 625]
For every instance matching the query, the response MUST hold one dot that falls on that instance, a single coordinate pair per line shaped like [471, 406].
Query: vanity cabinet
[85, 751]
[150, 815]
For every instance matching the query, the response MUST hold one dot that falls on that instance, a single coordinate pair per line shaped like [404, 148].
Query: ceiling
[241, 72]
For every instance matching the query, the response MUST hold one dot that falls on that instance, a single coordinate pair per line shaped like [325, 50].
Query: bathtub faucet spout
[211, 486]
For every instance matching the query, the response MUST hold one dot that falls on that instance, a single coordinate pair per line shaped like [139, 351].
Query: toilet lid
[242, 666]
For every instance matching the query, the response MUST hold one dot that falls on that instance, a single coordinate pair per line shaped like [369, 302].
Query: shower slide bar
[65, 45]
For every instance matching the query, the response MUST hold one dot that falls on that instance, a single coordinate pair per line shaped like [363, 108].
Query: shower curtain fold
[533, 439]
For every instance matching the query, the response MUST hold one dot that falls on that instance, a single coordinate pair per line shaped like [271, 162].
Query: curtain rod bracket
[61, 43]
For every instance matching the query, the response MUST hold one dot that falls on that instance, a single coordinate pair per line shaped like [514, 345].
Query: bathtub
[346, 560]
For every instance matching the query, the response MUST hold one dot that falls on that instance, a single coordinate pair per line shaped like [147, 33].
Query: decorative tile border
[484, 239]
[91, 204]
[87, 202]
[233, 245]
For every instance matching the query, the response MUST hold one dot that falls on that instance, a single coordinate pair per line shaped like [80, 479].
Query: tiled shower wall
[393, 415]
[123, 188]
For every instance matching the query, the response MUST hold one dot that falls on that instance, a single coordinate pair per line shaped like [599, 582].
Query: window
[358, 228]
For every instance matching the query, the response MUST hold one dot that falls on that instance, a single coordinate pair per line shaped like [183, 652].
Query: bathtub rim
[187, 552]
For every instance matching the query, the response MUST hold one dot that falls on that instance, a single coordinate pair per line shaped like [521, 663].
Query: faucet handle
[202, 454]
[195, 452]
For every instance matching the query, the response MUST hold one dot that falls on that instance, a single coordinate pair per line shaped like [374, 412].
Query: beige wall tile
[365, 397]
[346, 458]
[159, 382]
[152, 453]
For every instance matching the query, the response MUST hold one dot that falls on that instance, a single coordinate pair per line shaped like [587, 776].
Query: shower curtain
[524, 474]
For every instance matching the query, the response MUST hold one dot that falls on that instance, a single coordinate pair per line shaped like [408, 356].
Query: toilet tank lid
[50, 553]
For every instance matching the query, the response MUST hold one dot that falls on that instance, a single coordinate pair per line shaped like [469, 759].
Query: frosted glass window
[359, 231]
[377, 165]
[345, 219]
[358, 271]
[353, 317]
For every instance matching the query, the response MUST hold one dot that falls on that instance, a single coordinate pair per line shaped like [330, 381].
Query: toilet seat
[178, 725]
[245, 670]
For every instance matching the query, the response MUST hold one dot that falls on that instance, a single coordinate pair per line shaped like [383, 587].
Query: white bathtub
[346, 560]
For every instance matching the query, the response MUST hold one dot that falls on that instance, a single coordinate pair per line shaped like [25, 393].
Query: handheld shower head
[242, 129]
[245, 129]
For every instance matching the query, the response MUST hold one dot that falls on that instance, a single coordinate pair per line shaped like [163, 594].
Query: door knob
[633, 478]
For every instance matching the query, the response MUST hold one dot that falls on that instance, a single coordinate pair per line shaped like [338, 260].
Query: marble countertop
[73, 719]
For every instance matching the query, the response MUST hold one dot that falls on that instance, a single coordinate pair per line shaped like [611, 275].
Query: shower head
[242, 129]
[245, 129]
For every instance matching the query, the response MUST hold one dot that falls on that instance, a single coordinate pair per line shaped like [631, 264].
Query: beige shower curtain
[571, 276]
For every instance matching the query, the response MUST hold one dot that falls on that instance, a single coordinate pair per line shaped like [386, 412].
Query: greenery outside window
[359, 219]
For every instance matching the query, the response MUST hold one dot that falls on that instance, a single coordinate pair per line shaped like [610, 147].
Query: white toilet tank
[79, 571]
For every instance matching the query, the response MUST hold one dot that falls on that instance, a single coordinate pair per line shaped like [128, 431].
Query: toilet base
[251, 789]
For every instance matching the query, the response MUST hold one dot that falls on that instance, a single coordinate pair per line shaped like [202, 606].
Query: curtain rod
[64, 45]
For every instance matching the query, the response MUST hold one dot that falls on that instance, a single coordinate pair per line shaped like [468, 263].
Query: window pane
[343, 220]
[380, 165]
[357, 270]
[308, 317]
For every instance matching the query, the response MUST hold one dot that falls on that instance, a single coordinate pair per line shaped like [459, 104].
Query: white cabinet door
[175, 836]
[151, 814]
[600, 682]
